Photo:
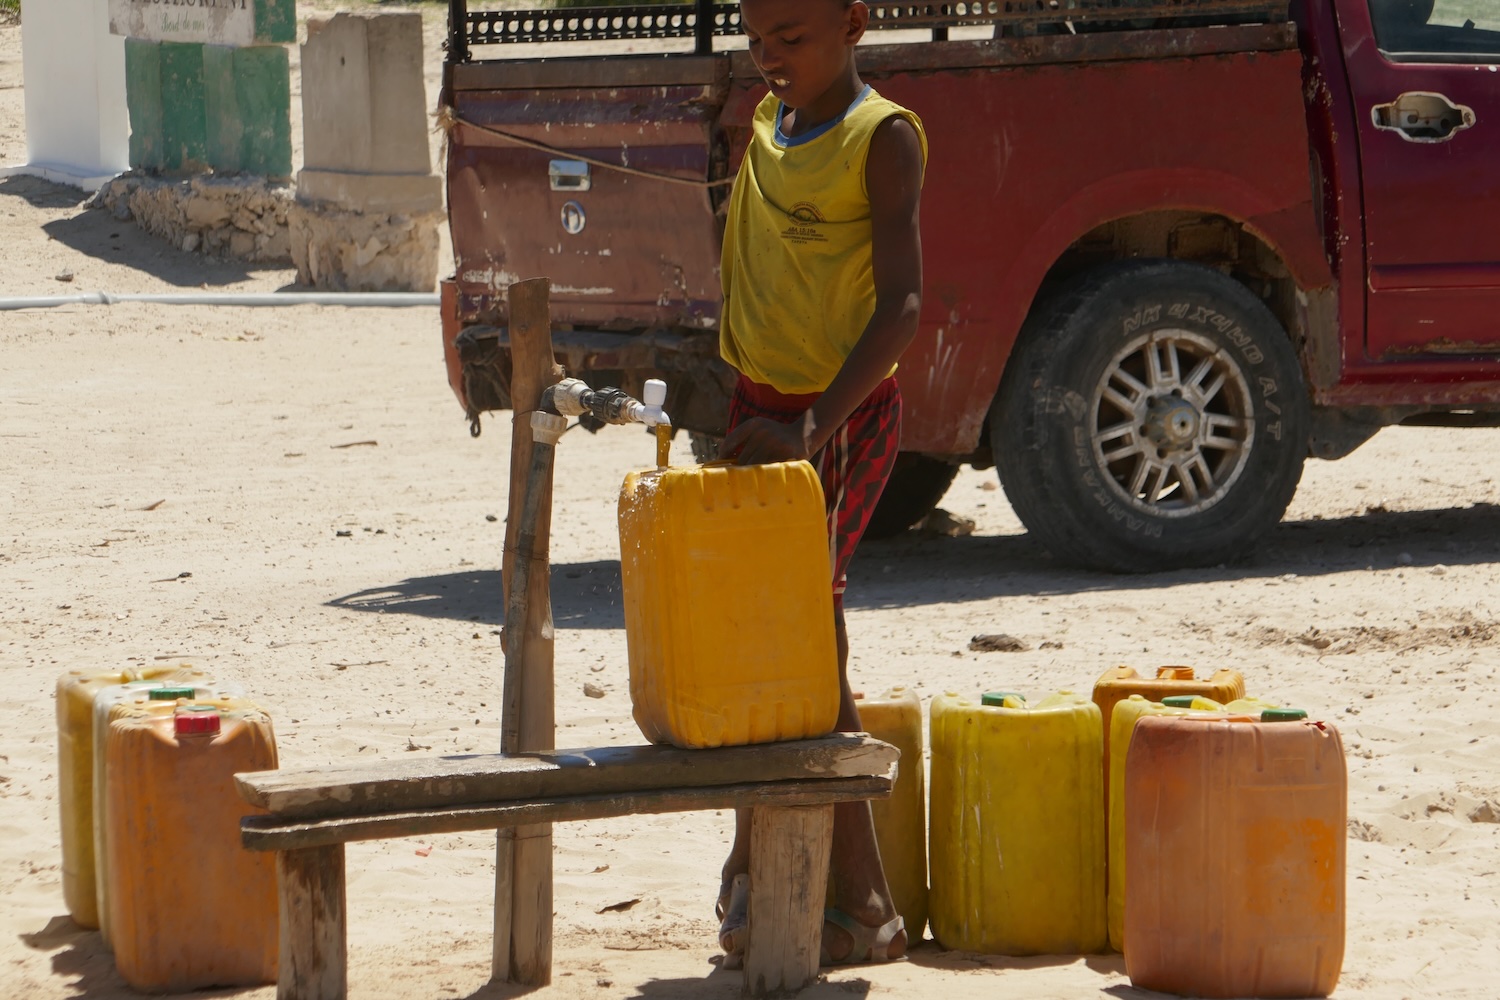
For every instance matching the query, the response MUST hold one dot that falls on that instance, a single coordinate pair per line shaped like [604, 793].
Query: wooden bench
[790, 787]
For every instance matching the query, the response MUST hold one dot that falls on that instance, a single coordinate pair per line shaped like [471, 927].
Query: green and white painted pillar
[208, 84]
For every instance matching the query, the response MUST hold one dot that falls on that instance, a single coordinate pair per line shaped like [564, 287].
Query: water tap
[573, 398]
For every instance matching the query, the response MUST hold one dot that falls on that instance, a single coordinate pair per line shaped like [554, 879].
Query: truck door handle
[1420, 116]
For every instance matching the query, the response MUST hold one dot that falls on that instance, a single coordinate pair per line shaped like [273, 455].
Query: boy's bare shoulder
[894, 165]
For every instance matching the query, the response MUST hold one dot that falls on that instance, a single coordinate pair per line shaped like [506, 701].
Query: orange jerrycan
[1017, 832]
[146, 698]
[189, 907]
[901, 820]
[1234, 855]
[1121, 682]
[728, 604]
[76, 692]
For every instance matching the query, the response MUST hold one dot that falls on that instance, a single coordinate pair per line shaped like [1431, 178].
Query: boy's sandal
[869, 944]
[734, 921]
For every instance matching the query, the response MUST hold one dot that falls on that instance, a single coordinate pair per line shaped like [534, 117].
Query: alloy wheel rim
[1173, 423]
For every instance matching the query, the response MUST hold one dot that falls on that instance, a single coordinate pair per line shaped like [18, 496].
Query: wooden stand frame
[523, 856]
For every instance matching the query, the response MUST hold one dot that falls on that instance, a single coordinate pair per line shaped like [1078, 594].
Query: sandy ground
[1369, 605]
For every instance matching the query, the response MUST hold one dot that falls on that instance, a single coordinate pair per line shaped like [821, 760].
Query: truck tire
[916, 485]
[1152, 417]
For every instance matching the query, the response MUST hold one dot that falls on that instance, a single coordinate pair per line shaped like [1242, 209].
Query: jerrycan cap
[169, 692]
[996, 699]
[196, 720]
[1283, 715]
[1178, 700]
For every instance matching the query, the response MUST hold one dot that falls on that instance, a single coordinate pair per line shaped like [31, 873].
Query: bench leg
[314, 957]
[522, 947]
[789, 847]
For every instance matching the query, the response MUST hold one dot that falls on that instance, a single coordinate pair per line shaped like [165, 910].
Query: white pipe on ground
[246, 299]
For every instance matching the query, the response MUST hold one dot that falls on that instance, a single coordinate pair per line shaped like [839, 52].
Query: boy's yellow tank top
[796, 262]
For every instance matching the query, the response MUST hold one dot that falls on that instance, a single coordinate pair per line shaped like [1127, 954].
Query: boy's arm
[893, 178]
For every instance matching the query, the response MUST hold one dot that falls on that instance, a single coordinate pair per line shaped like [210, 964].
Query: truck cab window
[1448, 31]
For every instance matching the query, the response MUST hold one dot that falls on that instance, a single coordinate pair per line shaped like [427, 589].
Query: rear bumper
[699, 383]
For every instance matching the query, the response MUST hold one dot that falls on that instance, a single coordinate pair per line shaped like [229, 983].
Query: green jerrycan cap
[996, 699]
[1179, 700]
[1283, 715]
[171, 693]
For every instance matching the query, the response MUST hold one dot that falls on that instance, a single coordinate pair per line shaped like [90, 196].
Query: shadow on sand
[915, 570]
[714, 985]
[98, 234]
[80, 957]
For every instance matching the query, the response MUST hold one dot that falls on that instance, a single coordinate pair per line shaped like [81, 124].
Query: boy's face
[801, 47]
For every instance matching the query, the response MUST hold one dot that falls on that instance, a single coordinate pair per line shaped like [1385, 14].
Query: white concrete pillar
[77, 127]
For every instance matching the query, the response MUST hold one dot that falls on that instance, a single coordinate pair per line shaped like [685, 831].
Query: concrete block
[263, 87]
[143, 91]
[183, 107]
[364, 106]
[225, 127]
[77, 122]
[247, 22]
[372, 192]
[398, 97]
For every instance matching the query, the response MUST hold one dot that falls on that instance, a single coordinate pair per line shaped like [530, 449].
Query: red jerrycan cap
[196, 720]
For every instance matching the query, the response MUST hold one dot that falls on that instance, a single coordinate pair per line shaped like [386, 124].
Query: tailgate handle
[568, 175]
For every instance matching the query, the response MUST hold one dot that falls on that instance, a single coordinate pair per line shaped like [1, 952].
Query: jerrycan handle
[1174, 673]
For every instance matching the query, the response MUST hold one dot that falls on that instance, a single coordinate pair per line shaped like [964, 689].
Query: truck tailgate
[623, 250]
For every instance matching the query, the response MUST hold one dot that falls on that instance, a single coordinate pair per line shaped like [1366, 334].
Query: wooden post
[314, 953]
[789, 848]
[523, 858]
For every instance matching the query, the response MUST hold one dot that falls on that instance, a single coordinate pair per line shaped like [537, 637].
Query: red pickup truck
[1173, 247]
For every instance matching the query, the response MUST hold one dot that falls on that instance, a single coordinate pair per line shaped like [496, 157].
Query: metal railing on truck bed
[701, 20]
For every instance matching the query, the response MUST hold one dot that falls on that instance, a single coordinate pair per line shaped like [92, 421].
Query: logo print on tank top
[805, 220]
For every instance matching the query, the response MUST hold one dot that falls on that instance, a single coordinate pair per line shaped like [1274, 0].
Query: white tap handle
[653, 396]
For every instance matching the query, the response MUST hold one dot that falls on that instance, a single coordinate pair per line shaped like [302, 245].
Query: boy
[822, 278]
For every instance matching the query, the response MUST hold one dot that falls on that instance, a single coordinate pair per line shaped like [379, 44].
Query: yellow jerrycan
[76, 692]
[901, 820]
[1017, 832]
[189, 906]
[148, 698]
[728, 604]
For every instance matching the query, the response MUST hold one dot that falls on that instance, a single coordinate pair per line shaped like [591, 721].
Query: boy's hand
[760, 440]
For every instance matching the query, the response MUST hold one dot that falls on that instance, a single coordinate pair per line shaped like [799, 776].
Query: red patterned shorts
[853, 466]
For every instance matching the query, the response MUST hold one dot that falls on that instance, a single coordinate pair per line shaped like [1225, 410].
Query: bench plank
[384, 786]
[280, 833]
